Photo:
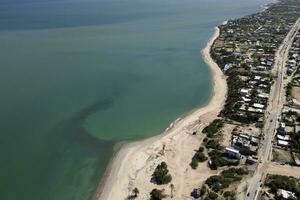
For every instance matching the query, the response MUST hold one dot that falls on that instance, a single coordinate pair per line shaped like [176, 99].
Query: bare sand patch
[296, 93]
[281, 155]
[226, 134]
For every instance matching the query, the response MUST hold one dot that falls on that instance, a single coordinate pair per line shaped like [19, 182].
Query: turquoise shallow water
[76, 77]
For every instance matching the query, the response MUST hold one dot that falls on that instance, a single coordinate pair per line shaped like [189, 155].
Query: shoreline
[133, 160]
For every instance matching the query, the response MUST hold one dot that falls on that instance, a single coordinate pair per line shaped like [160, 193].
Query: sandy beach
[134, 163]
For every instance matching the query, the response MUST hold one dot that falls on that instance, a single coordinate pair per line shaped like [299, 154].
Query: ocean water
[77, 77]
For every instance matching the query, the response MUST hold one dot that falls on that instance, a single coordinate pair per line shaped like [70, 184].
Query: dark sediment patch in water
[75, 127]
[81, 134]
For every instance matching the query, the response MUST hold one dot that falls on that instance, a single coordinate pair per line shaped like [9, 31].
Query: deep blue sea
[79, 76]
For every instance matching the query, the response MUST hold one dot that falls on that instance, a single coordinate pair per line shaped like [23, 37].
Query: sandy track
[286, 170]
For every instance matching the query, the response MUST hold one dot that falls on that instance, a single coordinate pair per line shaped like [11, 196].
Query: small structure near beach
[232, 153]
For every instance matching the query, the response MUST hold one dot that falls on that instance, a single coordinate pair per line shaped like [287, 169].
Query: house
[226, 67]
[269, 63]
[254, 141]
[243, 107]
[297, 128]
[241, 141]
[251, 109]
[283, 143]
[281, 131]
[262, 86]
[285, 194]
[258, 105]
[250, 161]
[296, 103]
[245, 99]
[261, 68]
[257, 78]
[232, 153]
[245, 91]
[244, 136]
[285, 138]
[252, 83]
[297, 161]
[263, 95]
[292, 62]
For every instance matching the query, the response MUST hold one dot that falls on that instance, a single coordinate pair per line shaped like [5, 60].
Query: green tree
[161, 174]
[156, 194]
[135, 192]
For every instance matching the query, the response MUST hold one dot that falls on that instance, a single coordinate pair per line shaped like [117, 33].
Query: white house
[285, 194]
[283, 143]
[257, 78]
[246, 99]
[285, 138]
[244, 91]
[263, 95]
[258, 105]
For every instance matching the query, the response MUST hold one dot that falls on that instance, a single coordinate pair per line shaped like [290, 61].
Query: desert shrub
[231, 172]
[161, 174]
[201, 149]
[213, 128]
[216, 183]
[289, 88]
[281, 182]
[219, 161]
[212, 144]
[219, 182]
[198, 157]
[229, 195]
[156, 194]
[194, 163]
[203, 190]
[212, 195]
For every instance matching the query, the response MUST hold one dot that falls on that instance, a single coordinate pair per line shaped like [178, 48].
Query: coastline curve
[132, 158]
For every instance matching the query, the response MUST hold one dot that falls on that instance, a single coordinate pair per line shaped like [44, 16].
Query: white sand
[134, 164]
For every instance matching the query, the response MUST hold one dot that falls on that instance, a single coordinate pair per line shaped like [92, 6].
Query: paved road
[272, 114]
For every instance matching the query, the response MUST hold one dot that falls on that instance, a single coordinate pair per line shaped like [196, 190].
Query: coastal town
[260, 56]
[249, 146]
